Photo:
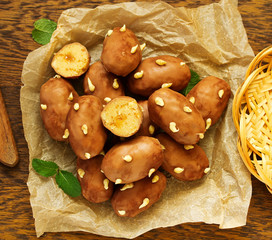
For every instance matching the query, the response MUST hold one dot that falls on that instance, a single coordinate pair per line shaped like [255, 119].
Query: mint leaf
[194, 80]
[45, 168]
[68, 183]
[41, 37]
[43, 30]
[45, 25]
[65, 180]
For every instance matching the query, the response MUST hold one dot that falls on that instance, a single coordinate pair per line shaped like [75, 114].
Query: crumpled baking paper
[211, 39]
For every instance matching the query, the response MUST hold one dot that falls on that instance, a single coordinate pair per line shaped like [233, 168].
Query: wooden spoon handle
[8, 150]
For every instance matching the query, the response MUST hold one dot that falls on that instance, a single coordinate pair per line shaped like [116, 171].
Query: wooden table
[16, 221]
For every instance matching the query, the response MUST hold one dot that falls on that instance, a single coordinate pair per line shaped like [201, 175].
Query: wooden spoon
[8, 150]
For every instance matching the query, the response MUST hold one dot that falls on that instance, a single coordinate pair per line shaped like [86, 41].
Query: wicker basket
[252, 116]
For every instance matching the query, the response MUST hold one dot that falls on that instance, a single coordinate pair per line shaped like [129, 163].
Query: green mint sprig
[194, 80]
[65, 180]
[43, 30]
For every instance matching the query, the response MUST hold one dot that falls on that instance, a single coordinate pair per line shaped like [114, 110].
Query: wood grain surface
[16, 220]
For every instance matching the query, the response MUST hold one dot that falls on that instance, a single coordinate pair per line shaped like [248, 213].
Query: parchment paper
[212, 41]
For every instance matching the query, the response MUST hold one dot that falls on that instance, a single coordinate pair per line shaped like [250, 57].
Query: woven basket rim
[250, 115]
